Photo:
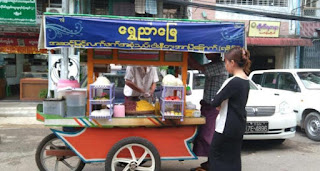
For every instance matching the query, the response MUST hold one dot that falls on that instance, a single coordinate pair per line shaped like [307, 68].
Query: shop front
[310, 55]
[21, 66]
[269, 49]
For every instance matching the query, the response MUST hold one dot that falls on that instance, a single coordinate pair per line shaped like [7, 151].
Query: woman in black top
[231, 100]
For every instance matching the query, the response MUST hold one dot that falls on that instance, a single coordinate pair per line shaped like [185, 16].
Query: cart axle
[60, 153]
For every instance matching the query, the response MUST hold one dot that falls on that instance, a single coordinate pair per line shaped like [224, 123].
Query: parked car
[301, 88]
[195, 81]
[268, 115]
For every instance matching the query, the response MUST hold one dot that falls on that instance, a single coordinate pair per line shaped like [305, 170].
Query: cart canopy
[133, 33]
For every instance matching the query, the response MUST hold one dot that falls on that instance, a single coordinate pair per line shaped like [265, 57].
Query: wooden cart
[130, 143]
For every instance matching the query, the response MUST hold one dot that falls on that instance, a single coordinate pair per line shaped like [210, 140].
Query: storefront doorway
[262, 62]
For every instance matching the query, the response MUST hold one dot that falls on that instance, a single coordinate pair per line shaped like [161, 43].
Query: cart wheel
[46, 163]
[133, 153]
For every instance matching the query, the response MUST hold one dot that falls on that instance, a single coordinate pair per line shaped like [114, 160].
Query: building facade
[310, 56]
[277, 48]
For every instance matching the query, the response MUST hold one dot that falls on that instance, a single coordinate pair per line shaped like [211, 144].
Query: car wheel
[312, 126]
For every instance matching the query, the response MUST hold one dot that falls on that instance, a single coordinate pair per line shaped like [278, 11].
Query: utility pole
[64, 51]
[71, 11]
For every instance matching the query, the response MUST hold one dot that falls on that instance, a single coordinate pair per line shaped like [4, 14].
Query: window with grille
[309, 7]
[277, 3]
[174, 11]
[99, 7]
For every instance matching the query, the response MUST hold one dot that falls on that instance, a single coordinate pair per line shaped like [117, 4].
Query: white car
[268, 115]
[195, 81]
[301, 88]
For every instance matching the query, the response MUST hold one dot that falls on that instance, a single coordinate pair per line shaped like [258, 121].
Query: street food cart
[134, 142]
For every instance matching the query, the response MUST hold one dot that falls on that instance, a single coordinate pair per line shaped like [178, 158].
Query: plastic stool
[8, 91]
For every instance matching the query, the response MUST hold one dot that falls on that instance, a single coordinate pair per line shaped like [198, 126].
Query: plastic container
[76, 103]
[189, 92]
[196, 113]
[76, 98]
[119, 110]
[191, 106]
[64, 83]
[157, 106]
[54, 107]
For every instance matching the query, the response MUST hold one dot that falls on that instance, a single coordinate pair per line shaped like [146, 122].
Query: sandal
[204, 165]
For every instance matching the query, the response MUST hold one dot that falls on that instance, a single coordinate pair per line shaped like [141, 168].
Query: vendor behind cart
[215, 74]
[140, 81]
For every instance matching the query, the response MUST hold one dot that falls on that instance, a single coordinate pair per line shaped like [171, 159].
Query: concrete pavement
[19, 143]
[16, 112]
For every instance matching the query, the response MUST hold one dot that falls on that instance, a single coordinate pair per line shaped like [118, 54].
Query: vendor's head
[214, 57]
[237, 58]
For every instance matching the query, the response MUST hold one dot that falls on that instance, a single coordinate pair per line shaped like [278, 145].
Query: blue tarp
[93, 32]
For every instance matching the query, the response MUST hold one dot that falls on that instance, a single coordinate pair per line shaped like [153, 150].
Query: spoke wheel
[46, 163]
[312, 126]
[133, 153]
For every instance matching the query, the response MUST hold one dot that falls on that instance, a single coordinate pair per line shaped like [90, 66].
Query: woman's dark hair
[240, 56]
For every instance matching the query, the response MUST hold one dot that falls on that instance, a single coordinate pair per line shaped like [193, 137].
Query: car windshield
[253, 86]
[311, 80]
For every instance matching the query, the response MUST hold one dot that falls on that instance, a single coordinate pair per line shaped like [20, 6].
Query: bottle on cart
[157, 107]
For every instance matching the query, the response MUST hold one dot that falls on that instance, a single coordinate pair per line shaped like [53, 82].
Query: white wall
[318, 10]
[285, 57]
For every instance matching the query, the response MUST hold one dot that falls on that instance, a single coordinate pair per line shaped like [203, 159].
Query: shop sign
[264, 29]
[6, 42]
[128, 34]
[18, 12]
[18, 34]
[31, 42]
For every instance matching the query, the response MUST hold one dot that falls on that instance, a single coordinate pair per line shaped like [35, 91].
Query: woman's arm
[228, 91]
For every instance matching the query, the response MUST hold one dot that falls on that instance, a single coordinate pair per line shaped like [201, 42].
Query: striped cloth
[151, 7]
[140, 6]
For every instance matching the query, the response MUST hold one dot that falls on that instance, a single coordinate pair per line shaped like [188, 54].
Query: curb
[19, 121]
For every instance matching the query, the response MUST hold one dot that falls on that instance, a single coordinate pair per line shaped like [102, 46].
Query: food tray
[150, 112]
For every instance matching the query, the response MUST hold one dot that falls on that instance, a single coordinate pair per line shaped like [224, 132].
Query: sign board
[55, 68]
[18, 12]
[264, 29]
[130, 34]
[18, 42]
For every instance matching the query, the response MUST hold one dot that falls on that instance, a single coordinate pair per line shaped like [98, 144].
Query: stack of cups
[119, 110]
